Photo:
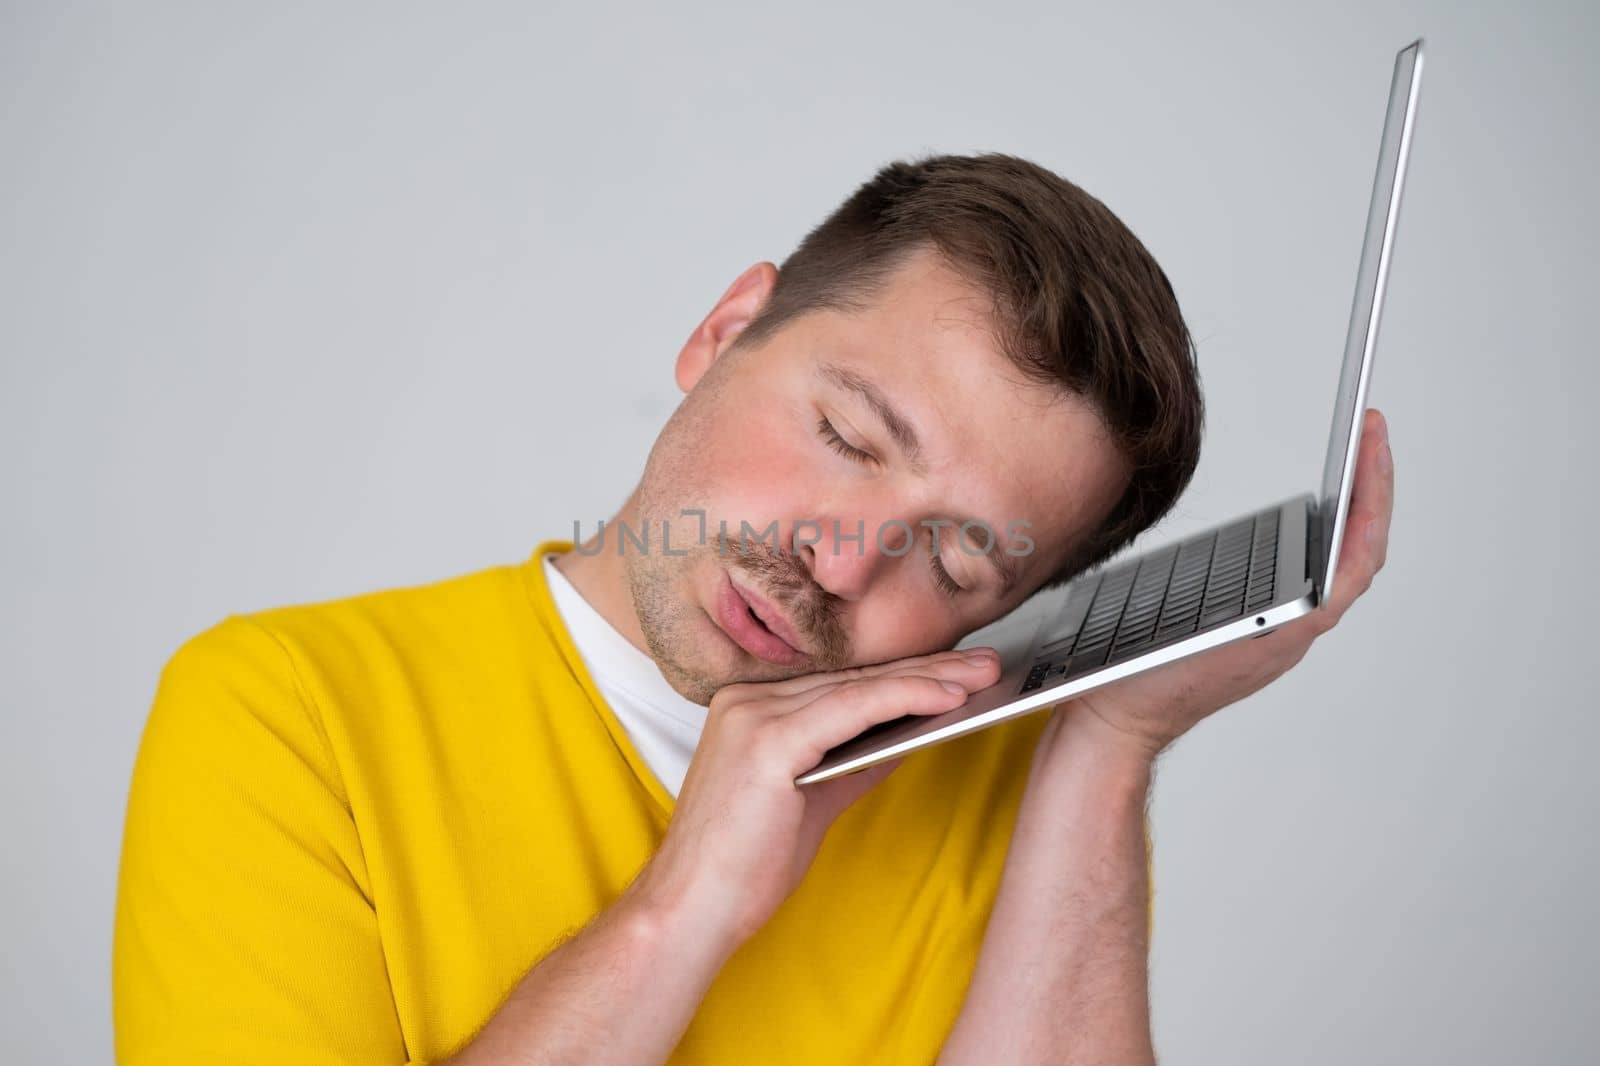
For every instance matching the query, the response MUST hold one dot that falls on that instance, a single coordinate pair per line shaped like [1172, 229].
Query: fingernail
[1385, 458]
[979, 657]
[951, 686]
[1371, 536]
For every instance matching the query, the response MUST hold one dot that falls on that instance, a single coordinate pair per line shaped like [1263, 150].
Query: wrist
[667, 911]
[1083, 737]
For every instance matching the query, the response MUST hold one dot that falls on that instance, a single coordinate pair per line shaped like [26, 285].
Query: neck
[596, 570]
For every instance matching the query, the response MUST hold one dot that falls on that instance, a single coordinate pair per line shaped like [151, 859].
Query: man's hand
[742, 836]
[1062, 974]
[1151, 710]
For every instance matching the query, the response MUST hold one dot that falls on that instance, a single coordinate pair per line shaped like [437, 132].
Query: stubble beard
[668, 617]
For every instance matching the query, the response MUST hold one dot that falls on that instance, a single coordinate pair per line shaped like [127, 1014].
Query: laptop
[1240, 579]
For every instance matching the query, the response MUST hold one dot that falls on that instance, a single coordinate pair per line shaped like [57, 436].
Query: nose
[845, 557]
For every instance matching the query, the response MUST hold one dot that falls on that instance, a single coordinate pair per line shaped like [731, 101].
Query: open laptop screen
[1382, 215]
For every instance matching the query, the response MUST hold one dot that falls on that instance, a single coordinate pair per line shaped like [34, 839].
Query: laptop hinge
[1316, 565]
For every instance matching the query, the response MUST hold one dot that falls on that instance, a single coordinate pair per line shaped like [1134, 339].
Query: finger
[1384, 512]
[795, 685]
[837, 717]
[1376, 498]
[972, 673]
[1366, 539]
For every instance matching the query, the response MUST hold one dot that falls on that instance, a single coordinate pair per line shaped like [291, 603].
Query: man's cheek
[769, 447]
[885, 631]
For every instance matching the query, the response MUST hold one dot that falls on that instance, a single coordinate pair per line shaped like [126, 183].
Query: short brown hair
[1080, 305]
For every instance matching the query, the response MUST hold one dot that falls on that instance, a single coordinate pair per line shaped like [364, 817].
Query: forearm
[622, 991]
[1062, 976]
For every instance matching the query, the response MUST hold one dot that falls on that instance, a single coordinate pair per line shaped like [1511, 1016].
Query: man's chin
[715, 662]
[703, 678]
[694, 653]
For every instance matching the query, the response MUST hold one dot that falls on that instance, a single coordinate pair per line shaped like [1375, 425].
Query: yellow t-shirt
[355, 825]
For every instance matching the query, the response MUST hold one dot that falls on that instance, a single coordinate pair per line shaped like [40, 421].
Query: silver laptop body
[1240, 579]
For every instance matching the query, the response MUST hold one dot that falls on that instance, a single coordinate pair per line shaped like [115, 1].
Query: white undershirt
[663, 725]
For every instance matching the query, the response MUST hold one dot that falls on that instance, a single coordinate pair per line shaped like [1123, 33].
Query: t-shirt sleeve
[245, 927]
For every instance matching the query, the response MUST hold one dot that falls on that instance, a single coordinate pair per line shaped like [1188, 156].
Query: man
[546, 813]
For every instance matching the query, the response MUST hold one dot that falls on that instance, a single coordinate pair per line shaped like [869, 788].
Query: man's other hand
[743, 836]
[1147, 712]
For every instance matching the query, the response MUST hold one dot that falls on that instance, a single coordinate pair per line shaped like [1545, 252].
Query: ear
[716, 332]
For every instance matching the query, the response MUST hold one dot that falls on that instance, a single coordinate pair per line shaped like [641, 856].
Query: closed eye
[941, 576]
[843, 447]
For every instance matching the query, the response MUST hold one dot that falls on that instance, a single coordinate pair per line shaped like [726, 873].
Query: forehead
[998, 446]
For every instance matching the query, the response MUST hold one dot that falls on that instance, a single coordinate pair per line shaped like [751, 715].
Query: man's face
[854, 432]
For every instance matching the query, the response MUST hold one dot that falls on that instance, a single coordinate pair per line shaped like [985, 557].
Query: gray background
[302, 300]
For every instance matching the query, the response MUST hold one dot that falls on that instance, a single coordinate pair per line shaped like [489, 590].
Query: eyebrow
[905, 436]
[898, 425]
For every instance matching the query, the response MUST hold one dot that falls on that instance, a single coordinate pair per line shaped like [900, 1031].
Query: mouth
[753, 623]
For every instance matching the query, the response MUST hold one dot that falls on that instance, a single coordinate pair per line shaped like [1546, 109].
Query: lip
[771, 616]
[774, 644]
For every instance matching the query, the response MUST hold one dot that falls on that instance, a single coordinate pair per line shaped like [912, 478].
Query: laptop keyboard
[1119, 612]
